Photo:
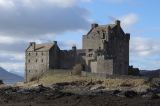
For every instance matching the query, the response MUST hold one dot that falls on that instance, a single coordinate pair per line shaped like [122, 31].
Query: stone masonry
[105, 51]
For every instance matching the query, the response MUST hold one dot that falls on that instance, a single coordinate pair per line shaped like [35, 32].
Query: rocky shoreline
[78, 93]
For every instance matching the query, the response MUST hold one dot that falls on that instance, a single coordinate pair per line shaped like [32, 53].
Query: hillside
[61, 76]
[9, 78]
[150, 73]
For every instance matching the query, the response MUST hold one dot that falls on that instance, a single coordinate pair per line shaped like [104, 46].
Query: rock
[121, 94]
[97, 87]
[24, 91]
[115, 92]
[9, 89]
[150, 95]
[130, 94]
[40, 88]
[56, 87]
[141, 89]
[155, 90]
[37, 89]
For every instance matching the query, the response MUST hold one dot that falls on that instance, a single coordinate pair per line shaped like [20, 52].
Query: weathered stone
[97, 87]
[105, 51]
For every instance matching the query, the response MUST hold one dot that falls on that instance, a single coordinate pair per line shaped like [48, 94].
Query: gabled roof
[41, 47]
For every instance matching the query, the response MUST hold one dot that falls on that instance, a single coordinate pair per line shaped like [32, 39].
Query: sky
[44, 21]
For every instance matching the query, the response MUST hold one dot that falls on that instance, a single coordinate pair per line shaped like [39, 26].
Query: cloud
[144, 46]
[144, 53]
[6, 4]
[16, 67]
[23, 21]
[129, 20]
[32, 18]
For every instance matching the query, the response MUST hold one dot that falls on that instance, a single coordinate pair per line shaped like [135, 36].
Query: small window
[42, 53]
[29, 71]
[36, 60]
[103, 36]
[42, 60]
[29, 54]
[36, 53]
[29, 61]
[90, 55]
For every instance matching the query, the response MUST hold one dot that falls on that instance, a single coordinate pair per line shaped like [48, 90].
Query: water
[12, 81]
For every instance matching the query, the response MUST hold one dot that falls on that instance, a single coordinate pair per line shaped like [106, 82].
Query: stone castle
[105, 51]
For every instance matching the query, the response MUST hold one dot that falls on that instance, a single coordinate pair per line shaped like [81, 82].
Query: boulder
[128, 94]
[150, 95]
[97, 87]
[1, 82]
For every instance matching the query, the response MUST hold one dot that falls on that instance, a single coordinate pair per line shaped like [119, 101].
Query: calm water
[13, 81]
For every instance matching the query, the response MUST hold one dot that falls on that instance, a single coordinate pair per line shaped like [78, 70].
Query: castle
[105, 50]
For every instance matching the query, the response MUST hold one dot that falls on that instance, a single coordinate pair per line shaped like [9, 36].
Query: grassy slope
[55, 77]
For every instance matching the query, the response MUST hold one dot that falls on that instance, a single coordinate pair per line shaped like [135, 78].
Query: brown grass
[56, 77]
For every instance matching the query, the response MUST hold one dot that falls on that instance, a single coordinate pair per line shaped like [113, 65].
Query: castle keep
[105, 51]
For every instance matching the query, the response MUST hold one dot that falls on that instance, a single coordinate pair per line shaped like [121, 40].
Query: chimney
[55, 42]
[118, 22]
[33, 45]
[94, 25]
[128, 36]
[74, 48]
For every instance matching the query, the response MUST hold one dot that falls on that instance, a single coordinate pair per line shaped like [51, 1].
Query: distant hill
[9, 78]
[150, 73]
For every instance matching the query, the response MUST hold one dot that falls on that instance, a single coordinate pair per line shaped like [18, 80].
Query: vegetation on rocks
[53, 77]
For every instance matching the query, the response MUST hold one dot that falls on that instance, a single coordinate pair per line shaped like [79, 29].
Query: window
[42, 60]
[36, 53]
[90, 55]
[29, 71]
[36, 60]
[42, 53]
[29, 54]
[29, 61]
[103, 36]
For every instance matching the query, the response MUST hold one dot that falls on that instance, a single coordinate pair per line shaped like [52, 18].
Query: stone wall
[67, 59]
[113, 44]
[54, 61]
[105, 66]
[89, 43]
[36, 64]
